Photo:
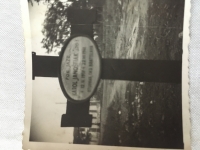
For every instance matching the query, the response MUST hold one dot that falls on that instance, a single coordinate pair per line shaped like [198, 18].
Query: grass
[151, 113]
[152, 121]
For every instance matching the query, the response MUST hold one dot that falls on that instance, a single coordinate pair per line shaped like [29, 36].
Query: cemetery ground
[135, 113]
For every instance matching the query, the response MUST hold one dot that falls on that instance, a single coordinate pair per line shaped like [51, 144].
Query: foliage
[83, 138]
[99, 93]
[31, 1]
[113, 126]
[56, 28]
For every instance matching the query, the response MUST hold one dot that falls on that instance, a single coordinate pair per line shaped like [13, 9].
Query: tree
[82, 138]
[56, 28]
[31, 1]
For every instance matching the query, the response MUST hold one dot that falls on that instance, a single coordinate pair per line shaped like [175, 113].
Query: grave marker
[77, 114]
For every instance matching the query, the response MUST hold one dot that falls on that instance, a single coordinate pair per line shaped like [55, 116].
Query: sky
[48, 102]
[37, 16]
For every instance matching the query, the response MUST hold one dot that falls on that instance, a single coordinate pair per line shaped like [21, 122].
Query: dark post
[165, 71]
[77, 115]
[81, 21]
[44, 66]
[97, 3]
[119, 69]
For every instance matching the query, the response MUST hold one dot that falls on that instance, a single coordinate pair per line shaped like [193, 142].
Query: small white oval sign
[80, 68]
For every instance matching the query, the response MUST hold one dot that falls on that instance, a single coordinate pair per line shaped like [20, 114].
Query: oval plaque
[80, 68]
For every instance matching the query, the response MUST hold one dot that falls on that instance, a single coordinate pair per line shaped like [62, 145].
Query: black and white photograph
[106, 73]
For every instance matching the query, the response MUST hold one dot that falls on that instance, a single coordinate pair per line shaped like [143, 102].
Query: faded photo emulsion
[106, 74]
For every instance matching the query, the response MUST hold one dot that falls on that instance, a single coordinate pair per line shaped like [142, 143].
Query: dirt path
[129, 39]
